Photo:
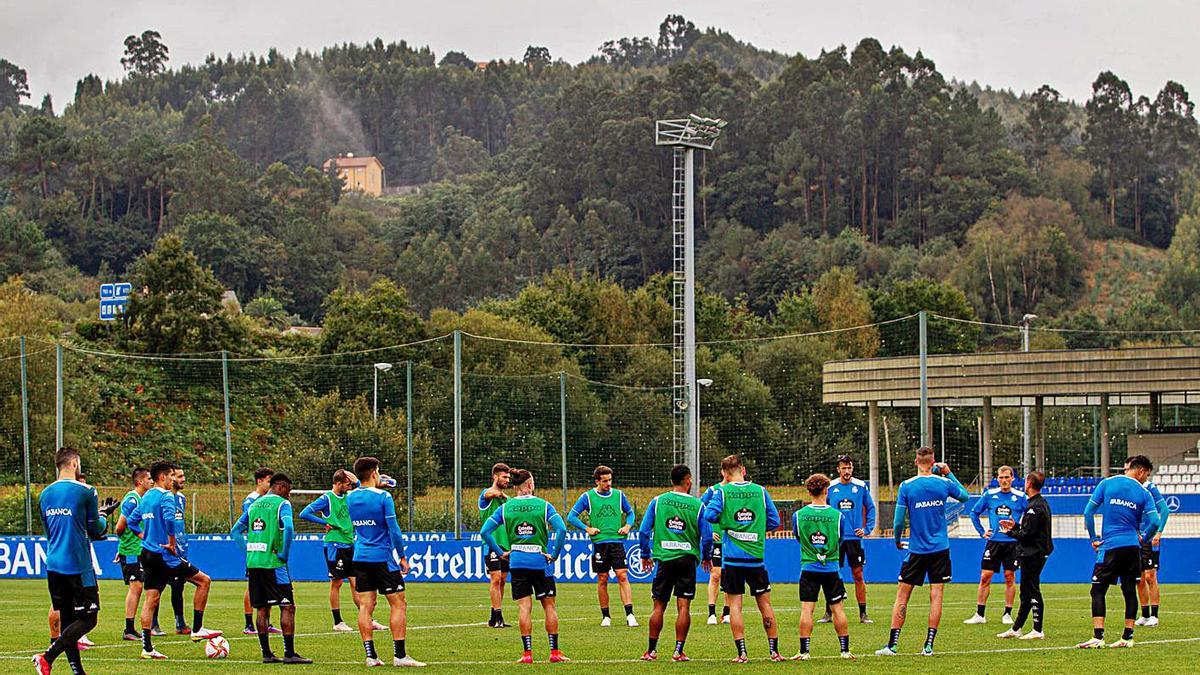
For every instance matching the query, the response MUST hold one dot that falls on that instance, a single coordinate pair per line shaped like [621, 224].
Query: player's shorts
[270, 587]
[132, 571]
[495, 563]
[851, 551]
[377, 576]
[67, 593]
[1117, 563]
[812, 584]
[735, 579]
[339, 562]
[155, 572]
[1149, 557]
[676, 576]
[1000, 554]
[608, 556]
[919, 566]
[716, 555]
[532, 582]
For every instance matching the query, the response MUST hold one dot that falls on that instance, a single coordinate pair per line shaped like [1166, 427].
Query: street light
[379, 367]
[1026, 449]
[705, 383]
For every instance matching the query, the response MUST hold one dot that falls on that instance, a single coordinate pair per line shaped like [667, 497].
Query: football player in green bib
[527, 521]
[744, 513]
[330, 511]
[270, 531]
[490, 500]
[675, 535]
[610, 518]
[129, 547]
[818, 529]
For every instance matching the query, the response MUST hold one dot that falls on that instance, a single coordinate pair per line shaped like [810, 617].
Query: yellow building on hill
[358, 174]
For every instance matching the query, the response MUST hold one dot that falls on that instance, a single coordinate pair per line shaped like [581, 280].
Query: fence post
[25, 441]
[562, 423]
[457, 434]
[228, 437]
[408, 406]
[923, 318]
[58, 396]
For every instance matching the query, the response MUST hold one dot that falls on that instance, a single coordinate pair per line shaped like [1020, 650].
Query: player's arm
[1089, 512]
[712, 510]
[796, 526]
[1151, 525]
[492, 524]
[706, 540]
[647, 529]
[134, 520]
[289, 530]
[313, 513]
[899, 516]
[627, 509]
[127, 507]
[393, 528]
[957, 491]
[869, 508]
[1163, 512]
[555, 521]
[581, 507]
[96, 523]
[976, 513]
[241, 526]
[166, 512]
[773, 520]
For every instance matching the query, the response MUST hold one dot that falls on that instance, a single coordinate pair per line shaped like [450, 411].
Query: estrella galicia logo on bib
[1004, 510]
[524, 529]
[258, 525]
[675, 524]
[845, 504]
[817, 539]
[744, 515]
[633, 563]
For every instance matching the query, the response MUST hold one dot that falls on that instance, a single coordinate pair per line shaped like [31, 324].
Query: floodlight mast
[685, 136]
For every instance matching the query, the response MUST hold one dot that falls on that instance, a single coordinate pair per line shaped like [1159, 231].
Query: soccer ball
[216, 648]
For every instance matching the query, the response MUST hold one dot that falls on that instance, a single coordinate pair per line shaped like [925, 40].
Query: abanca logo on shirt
[931, 502]
[365, 523]
[1122, 502]
[58, 512]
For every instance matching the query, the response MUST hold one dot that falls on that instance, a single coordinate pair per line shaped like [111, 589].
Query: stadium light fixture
[378, 368]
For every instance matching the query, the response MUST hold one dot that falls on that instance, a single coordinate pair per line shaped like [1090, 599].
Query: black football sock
[197, 619]
[1145, 611]
[147, 645]
[725, 611]
[862, 608]
[500, 617]
[844, 641]
[398, 649]
[1098, 633]
[628, 610]
[1127, 634]
[249, 621]
[653, 645]
[679, 646]
[369, 646]
[894, 638]
[741, 646]
[712, 610]
[553, 637]
[1008, 610]
[930, 637]
[264, 643]
[337, 616]
[129, 626]
[980, 609]
[1154, 611]
[604, 613]
[773, 644]
[289, 645]
[804, 642]
[527, 642]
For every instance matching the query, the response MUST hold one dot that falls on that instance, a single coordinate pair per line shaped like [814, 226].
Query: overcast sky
[1017, 44]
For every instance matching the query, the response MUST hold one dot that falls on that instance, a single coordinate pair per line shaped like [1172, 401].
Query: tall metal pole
[1026, 447]
[923, 320]
[457, 434]
[694, 455]
[25, 440]
[375, 393]
[58, 396]
[408, 409]
[228, 430]
[562, 425]
[689, 307]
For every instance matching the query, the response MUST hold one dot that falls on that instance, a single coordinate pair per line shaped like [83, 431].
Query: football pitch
[447, 629]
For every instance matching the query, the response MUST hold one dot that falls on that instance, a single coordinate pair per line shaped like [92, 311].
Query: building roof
[352, 162]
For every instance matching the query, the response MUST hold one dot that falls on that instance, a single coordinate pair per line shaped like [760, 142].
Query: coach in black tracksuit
[1034, 544]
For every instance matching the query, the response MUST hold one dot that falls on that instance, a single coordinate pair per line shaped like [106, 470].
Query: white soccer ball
[216, 648]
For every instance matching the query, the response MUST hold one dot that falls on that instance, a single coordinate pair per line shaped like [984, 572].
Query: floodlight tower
[685, 136]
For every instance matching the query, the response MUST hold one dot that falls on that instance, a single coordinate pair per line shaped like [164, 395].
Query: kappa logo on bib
[675, 524]
[525, 529]
[744, 516]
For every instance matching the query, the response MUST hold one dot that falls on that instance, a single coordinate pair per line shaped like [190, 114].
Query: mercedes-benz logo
[1173, 503]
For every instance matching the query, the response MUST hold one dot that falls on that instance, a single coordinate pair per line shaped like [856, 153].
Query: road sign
[113, 299]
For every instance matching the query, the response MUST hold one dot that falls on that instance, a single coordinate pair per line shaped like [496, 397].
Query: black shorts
[495, 563]
[132, 571]
[813, 583]
[1118, 563]
[716, 555]
[919, 566]
[156, 575]
[377, 576]
[1000, 554]
[851, 551]
[270, 587]
[532, 582]
[68, 594]
[734, 580]
[339, 562]
[1149, 557]
[608, 556]
[676, 576]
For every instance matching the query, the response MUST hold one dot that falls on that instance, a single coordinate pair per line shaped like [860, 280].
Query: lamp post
[705, 383]
[379, 367]
[1026, 448]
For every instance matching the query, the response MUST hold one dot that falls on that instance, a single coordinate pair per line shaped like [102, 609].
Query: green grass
[445, 630]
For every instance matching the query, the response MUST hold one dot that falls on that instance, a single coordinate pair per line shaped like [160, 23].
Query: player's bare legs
[936, 593]
[496, 588]
[602, 591]
[623, 587]
[366, 609]
[1010, 590]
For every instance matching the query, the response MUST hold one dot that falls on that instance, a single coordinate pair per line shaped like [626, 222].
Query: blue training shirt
[999, 505]
[155, 518]
[376, 531]
[71, 519]
[1122, 502]
[852, 500]
[522, 560]
[923, 500]
[732, 555]
[1160, 505]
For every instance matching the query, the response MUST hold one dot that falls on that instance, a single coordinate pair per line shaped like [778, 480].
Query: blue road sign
[113, 299]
